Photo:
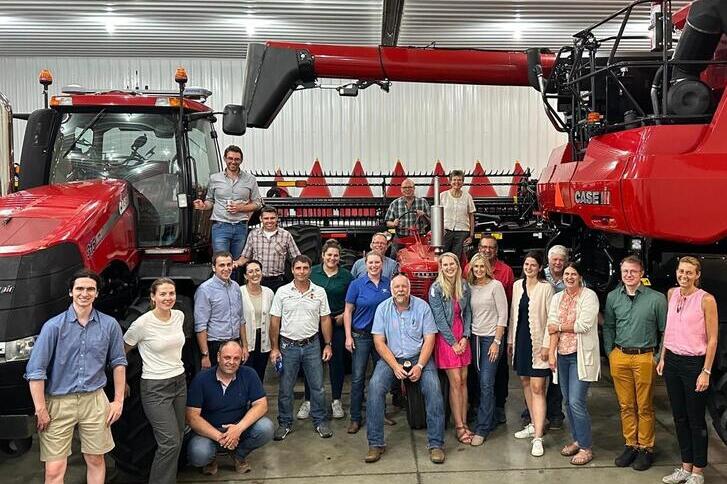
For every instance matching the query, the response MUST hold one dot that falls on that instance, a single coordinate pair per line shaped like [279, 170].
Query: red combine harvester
[107, 182]
[643, 170]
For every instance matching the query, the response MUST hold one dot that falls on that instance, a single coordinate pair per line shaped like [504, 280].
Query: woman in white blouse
[459, 215]
[489, 321]
[159, 335]
[256, 302]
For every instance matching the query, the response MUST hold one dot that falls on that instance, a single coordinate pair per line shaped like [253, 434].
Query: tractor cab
[164, 144]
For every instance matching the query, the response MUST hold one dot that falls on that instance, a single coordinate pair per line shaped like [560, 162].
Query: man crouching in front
[226, 407]
[404, 330]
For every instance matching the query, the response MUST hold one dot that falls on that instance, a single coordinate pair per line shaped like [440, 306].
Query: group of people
[476, 320]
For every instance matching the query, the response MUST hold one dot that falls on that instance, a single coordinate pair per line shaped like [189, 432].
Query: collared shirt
[73, 358]
[457, 211]
[221, 406]
[407, 215]
[633, 324]
[391, 267]
[366, 297]
[223, 188]
[300, 313]
[218, 309]
[404, 330]
[558, 285]
[335, 286]
[271, 252]
[503, 273]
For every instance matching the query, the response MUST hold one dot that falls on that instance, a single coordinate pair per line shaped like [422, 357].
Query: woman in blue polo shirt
[362, 298]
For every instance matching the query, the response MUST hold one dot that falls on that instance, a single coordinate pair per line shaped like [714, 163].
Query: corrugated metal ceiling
[223, 28]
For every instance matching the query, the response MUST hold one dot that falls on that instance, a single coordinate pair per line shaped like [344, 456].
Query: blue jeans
[309, 357]
[229, 237]
[364, 347]
[574, 395]
[379, 386]
[201, 450]
[488, 370]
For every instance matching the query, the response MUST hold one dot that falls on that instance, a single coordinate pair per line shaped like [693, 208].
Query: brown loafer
[388, 420]
[210, 469]
[436, 455]
[353, 427]
[241, 466]
[374, 454]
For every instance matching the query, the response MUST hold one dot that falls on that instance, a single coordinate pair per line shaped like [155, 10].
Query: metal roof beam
[391, 22]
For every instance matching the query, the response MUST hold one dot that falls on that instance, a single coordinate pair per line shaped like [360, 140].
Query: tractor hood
[80, 212]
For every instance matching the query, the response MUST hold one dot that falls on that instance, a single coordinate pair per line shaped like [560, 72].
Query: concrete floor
[305, 458]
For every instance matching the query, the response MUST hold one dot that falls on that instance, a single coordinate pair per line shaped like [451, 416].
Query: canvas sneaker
[303, 411]
[528, 432]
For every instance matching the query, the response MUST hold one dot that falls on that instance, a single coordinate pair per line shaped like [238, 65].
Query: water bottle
[279, 366]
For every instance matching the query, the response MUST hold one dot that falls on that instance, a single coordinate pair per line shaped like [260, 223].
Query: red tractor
[643, 170]
[107, 182]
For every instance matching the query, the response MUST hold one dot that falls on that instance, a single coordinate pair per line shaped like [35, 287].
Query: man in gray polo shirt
[232, 195]
[218, 315]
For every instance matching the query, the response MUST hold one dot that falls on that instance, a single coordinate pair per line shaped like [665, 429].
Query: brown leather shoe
[388, 420]
[353, 427]
[436, 455]
[210, 469]
[374, 454]
[241, 466]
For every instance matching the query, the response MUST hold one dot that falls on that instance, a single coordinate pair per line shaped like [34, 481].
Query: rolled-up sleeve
[116, 357]
[42, 353]
[202, 310]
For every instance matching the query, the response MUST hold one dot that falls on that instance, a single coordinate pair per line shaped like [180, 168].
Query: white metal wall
[415, 123]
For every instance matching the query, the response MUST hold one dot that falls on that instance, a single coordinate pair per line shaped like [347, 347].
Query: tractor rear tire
[348, 258]
[416, 415]
[133, 436]
[308, 240]
[717, 401]
[15, 448]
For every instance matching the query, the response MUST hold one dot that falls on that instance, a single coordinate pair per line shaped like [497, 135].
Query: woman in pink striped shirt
[690, 343]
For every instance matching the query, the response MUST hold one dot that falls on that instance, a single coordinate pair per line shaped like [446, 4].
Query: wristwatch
[707, 371]
[205, 353]
[421, 367]
[498, 342]
[328, 343]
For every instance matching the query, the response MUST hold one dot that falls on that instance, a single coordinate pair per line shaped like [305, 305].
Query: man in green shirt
[634, 320]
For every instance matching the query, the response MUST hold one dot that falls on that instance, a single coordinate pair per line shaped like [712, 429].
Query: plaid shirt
[271, 252]
[407, 215]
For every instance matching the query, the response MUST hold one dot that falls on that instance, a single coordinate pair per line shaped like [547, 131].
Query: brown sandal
[570, 450]
[583, 457]
[464, 436]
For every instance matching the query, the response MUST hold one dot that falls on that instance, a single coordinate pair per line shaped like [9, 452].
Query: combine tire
[308, 240]
[16, 447]
[717, 401]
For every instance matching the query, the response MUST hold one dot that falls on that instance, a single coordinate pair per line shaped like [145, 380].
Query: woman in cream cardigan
[527, 343]
[574, 356]
[256, 302]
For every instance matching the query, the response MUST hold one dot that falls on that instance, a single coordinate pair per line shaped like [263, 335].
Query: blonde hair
[470, 269]
[450, 289]
[688, 259]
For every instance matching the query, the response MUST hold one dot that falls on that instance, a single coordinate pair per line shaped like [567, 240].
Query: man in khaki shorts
[66, 373]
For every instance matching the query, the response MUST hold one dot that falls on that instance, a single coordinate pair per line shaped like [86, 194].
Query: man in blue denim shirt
[404, 330]
[67, 373]
[218, 315]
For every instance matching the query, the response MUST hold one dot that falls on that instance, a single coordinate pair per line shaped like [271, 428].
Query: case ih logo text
[585, 197]
[8, 289]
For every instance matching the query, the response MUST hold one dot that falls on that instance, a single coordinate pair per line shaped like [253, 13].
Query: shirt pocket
[414, 332]
[98, 346]
[279, 248]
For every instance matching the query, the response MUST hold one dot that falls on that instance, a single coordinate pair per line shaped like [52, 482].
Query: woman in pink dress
[449, 299]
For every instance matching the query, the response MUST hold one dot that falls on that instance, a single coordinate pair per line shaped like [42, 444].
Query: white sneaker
[537, 447]
[677, 477]
[337, 409]
[303, 411]
[528, 432]
[695, 479]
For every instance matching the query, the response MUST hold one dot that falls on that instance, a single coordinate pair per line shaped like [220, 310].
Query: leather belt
[635, 351]
[300, 342]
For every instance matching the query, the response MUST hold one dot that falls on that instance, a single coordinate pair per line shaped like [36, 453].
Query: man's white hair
[558, 250]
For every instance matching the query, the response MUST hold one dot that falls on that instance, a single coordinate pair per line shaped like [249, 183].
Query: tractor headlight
[18, 350]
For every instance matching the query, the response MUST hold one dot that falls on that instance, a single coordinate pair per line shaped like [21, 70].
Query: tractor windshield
[142, 149]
